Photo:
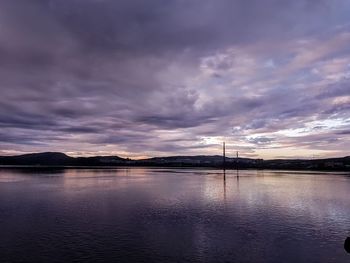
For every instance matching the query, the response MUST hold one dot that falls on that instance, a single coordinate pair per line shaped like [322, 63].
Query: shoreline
[82, 167]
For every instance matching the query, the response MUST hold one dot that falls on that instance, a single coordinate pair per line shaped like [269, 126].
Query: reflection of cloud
[100, 180]
[115, 77]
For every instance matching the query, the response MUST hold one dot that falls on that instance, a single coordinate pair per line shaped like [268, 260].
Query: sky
[155, 78]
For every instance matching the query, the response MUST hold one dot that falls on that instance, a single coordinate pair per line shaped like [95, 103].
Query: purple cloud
[158, 78]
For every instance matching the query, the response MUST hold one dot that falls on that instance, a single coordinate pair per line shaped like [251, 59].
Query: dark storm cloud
[154, 26]
[108, 76]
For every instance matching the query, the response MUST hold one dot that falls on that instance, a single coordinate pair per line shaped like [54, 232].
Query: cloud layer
[145, 78]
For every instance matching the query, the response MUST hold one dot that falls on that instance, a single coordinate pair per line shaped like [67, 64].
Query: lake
[173, 215]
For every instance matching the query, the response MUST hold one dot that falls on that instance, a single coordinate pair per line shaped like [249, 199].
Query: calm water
[173, 215]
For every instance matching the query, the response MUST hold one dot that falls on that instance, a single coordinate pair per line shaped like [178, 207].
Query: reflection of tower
[224, 186]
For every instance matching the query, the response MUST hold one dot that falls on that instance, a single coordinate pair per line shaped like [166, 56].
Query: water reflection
[169, 215]
[224, 173]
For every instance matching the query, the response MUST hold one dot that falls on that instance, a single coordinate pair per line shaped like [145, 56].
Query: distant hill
[342, 163]
[46, 158]
[61, 159]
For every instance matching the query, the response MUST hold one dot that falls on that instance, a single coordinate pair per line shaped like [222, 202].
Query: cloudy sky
[154, 78]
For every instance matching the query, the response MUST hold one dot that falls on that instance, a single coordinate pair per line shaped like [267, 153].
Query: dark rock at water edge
[347, 245]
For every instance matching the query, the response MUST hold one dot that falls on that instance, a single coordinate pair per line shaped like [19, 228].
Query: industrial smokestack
[223, 154]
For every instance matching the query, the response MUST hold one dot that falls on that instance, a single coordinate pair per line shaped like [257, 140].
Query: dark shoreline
[50, 160]
[57, 167]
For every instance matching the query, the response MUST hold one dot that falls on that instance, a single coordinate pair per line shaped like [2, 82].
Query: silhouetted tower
[223, 154]
[237, 154]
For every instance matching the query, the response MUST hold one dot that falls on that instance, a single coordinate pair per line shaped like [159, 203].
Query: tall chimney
[223, 154]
